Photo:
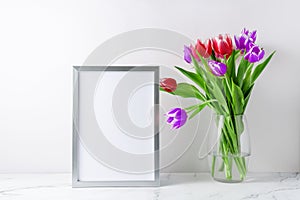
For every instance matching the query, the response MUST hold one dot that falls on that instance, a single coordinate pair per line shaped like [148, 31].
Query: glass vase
[229, 148]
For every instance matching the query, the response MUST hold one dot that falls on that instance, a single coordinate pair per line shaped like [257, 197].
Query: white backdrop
[41, 40]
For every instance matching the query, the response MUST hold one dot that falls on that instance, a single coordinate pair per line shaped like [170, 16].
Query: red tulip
[168, 84]
[222, 46]
[204, 49]
[194, 54]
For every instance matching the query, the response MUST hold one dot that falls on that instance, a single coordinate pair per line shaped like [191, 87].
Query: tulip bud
[168, 84]
[176, 117]
[187, 54]
[194, 53]
[222, 45]
[217, 68]
[254, 54]
[204, 50]
[243, 41]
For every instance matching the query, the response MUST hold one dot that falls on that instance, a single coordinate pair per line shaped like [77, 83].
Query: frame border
[76, 183]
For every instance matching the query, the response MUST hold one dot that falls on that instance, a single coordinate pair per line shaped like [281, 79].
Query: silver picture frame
[91, 165]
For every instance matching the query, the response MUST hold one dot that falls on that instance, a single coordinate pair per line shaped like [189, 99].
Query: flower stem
[231, 150]
[213, 166]
[227, 165]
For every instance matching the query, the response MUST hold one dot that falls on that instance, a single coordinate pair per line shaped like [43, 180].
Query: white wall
[41, 40]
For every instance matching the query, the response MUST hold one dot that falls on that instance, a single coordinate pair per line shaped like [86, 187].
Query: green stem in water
[213, 166]
[231, 148]
[226, 161]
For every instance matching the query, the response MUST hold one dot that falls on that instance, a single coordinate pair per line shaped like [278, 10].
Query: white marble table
[187, 186]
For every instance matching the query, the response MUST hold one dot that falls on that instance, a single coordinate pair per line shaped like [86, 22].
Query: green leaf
[197, 67]
[196, 78]
[248, 92]
[247, 95]
[241, 71]
[191, 108]
[210, 78]
[227, 88]
[203, 72]
[257, 71]
[203, 62]
[215, 105]
[238, 100]
[199, 108]
[188, 91]
[247, 80]
[218, 94]
[238, 53]
[213, 55]
[213, 88]
[195, 113]
[239, 125]
[231, 66]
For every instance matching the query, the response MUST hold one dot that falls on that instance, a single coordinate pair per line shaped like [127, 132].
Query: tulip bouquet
[224, 75]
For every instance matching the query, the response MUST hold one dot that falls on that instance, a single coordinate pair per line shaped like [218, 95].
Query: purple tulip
[246, 38]
[254, 54]
[217, 68]
[251, 35]
[177, 117]
[187, 54]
